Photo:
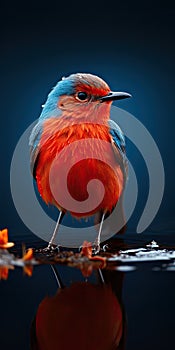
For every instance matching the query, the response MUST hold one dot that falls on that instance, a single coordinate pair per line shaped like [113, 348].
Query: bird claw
[80, 248]
[95, 248]
[105, 247]
[50, 249]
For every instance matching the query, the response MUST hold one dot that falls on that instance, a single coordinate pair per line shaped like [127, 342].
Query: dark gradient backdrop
[130, 46]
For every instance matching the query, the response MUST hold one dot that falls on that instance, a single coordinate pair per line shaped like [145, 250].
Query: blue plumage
[63, 87]
[119, 142]
[50, 109]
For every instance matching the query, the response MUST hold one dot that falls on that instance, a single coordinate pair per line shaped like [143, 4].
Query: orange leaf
[28, 270]
[86, 270]
[4, 236]
[28, 255]
[4, 271]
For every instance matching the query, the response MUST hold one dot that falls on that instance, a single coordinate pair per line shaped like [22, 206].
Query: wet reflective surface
[127, 304]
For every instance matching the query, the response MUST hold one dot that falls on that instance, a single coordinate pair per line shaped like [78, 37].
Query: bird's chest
[76, 142]
[74, 156]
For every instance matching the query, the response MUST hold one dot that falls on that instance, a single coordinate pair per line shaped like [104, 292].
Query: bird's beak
[114, 96]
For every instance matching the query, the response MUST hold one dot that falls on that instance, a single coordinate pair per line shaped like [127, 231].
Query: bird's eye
[82, 96]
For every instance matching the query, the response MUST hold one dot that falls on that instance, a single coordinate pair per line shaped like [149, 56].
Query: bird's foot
[96, 247]
[52, 248]
[49, 250]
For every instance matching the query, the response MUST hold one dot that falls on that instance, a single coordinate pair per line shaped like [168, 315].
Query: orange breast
[73, 156]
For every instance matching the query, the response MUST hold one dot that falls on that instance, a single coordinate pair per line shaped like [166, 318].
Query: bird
[75, 140]
[81, 315]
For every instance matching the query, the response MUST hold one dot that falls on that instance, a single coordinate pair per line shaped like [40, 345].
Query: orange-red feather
[57, 134]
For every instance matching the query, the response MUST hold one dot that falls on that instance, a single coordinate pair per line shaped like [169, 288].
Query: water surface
[134, 297]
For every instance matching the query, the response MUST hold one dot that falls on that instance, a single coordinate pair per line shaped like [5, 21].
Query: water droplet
[152, 245]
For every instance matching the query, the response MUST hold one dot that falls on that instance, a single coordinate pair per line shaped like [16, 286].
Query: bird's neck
[98, 115]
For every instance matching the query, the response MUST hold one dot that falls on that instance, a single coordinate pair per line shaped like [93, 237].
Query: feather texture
[65, 121]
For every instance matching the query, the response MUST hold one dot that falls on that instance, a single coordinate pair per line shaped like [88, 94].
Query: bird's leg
[96, 244]
[60, 217]
[100, 276]
[57, 276]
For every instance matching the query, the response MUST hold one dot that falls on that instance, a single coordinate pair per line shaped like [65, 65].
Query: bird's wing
[50, 110]
[119, 145]
[34, 141]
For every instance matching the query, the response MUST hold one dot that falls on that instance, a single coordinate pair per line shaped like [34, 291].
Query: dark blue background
[130, 46]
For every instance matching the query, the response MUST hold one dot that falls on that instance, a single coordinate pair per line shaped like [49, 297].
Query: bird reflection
[81, 316]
